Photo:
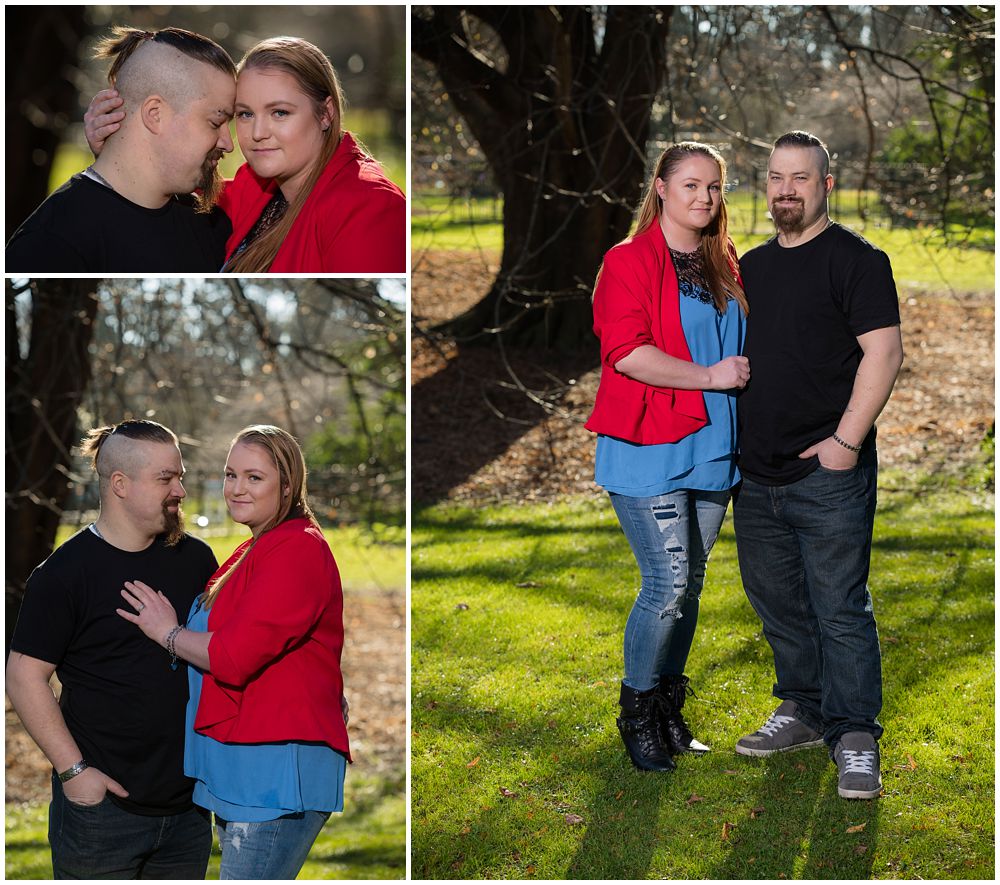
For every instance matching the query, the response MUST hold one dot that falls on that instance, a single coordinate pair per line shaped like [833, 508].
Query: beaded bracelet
[171, 646]
[847, 445]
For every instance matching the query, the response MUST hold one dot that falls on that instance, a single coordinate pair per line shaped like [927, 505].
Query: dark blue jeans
[804, 552]
[104, 841]
[671, 536]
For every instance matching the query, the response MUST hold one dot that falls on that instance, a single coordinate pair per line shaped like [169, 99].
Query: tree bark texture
[562, 113]
[44, 391]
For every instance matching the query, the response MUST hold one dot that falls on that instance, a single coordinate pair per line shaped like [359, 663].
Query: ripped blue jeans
[269, 849]
[671, 536]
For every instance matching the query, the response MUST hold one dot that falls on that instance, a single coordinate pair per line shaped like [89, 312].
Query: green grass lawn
[920, 259]
[366, 841]
[517, 767]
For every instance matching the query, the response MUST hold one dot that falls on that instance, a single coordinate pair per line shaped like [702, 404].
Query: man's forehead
[216, 92]
[160, 456]
[793, 158]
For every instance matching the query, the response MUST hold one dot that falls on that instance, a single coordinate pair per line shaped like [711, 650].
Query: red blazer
[637, 302]
[278, 632]
[354, 220]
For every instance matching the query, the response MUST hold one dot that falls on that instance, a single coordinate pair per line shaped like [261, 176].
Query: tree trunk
[563, 122]
[44, 391]
[43, 44]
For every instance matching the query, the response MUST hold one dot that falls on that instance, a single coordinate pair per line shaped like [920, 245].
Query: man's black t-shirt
[87, 227]
[121, 701]
[808, 305]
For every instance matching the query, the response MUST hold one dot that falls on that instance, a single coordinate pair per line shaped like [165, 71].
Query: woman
[669, 309]
[308, 199]
[266, 741]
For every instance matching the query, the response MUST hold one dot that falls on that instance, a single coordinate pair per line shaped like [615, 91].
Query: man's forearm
[873, 385]
[32, 699]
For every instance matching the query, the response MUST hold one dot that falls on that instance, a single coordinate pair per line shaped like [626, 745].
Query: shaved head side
[120, 447]
[121, 454]
[163, 71]
[169, 63]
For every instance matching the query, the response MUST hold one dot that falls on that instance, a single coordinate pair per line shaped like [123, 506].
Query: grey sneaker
[856, 755]
[781, 733]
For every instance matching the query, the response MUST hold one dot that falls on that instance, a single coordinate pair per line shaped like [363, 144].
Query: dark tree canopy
[568, 105]
[559, 99]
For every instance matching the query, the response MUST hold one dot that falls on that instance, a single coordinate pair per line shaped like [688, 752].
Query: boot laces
[775, 723]
[859, 761]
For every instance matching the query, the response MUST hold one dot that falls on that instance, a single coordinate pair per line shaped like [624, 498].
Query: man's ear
[118, 484]
[153, 112]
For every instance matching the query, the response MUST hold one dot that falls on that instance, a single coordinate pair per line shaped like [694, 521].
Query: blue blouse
[257, 782]
[704, 459]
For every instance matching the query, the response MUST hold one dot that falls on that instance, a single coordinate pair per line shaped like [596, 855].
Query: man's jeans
[105, 842]
[671, 536]
[270, 849]
[804, 552]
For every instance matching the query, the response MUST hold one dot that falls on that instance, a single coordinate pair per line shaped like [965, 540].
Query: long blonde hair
[719, 264]
[287, 456]
[316, 77]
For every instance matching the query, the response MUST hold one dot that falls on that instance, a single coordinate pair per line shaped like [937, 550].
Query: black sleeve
[47, 620]
[870, 299]
[31, 251]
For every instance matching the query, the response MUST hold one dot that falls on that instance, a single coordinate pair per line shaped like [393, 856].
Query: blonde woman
[309, 199]
[670, 311]
[266, 739]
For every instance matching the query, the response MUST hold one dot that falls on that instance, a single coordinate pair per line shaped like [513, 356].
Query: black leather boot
[677, 737]
[640, 733]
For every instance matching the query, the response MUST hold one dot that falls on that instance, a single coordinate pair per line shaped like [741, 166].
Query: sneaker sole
[860, 794]
[753, 751]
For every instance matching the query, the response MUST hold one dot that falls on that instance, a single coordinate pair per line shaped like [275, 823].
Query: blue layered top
[257, 782]
[704, 459]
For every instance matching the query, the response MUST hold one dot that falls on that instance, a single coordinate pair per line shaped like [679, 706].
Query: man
[824, 348]
[132, 210]
[121, 805]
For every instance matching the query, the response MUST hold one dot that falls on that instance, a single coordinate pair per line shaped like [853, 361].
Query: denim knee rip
[666, 517]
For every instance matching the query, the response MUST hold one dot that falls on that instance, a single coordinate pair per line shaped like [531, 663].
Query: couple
[308, 199]
[796, 345]
[263, 742]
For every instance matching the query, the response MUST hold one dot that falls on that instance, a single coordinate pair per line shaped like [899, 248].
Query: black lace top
[271, 215]
[691, 280]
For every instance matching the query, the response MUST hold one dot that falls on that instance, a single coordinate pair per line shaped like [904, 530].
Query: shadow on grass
[620, 843]
[797, 826]
[364, 860]
[480, 691]
[467, 414]
[27, 859]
